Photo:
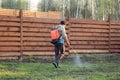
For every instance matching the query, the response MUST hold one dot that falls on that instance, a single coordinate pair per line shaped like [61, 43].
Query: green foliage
[88, 9]
[8, 4]
[15, 4]
[31, 58]
[95, 9]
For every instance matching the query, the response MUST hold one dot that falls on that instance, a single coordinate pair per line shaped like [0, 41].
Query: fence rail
[21, 36]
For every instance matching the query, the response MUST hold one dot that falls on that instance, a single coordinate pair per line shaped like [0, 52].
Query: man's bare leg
[63, 54]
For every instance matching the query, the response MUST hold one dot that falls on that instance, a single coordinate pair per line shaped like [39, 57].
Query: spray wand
[72, 51]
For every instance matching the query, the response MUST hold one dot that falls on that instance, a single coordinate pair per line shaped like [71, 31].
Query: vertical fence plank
[109, 45]
[68, 26]
[21, 34]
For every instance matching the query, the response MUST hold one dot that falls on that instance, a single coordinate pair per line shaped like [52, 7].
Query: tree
[15, 4]
[8, 4]
[116, 9]
[88, 9]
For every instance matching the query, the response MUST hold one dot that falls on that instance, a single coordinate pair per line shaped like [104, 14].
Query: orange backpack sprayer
[55, 35]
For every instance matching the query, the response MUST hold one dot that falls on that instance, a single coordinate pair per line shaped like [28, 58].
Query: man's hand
[69, 46]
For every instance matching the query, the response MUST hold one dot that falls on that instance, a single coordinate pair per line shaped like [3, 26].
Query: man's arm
[65, 36]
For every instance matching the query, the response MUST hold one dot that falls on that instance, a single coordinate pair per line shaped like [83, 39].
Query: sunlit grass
[11, 74]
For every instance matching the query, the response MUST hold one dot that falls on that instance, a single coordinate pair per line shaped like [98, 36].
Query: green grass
[99, 70]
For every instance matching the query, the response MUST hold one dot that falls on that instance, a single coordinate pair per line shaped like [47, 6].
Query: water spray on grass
[77, 59]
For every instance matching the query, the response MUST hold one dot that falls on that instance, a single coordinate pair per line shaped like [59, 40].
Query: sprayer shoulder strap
[58, 27]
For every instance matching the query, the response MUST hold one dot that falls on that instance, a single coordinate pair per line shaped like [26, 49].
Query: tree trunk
[77, 8]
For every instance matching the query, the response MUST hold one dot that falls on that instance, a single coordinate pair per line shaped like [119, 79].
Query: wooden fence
[95, 36]
[21, 36]
[49, 14]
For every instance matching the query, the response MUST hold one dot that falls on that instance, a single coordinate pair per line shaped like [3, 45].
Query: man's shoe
[55, 65]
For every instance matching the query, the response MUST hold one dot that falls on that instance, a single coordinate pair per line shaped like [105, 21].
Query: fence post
[21, 34]
[68, 24]
[109, 21]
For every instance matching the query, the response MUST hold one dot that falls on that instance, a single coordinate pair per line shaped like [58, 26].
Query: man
[59, 47]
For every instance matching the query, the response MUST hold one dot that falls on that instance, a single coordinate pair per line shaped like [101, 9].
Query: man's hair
[62, 22]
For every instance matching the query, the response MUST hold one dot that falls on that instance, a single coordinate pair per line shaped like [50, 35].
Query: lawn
[92, 67]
